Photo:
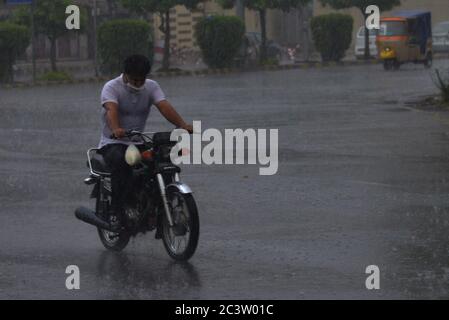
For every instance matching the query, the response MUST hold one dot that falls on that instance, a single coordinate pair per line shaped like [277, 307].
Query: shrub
[118, 39]
[332, 34]
[55, 76]
[270, 62]
[219, 38]
[14, 39]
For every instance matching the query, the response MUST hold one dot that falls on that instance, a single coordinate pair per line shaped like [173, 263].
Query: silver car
[360, 43]
[441, 37]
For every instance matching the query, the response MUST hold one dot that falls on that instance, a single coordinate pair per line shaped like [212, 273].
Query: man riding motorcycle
[126, 103]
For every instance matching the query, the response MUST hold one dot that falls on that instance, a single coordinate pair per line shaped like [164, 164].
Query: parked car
[249, 52]
[441, 37]
[360, 43]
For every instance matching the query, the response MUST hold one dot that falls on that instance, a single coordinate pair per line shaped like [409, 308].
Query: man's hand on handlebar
[122, 133]
[119, 133]
[188, 127]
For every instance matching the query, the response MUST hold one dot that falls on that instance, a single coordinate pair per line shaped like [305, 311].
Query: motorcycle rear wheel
[187, 226]
[113, 241]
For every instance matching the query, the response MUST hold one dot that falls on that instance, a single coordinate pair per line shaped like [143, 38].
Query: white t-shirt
[134, 107]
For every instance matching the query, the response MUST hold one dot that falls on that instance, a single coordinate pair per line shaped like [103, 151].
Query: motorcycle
[160, 201]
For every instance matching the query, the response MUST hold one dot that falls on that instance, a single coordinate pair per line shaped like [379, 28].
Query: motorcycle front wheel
[181, 240]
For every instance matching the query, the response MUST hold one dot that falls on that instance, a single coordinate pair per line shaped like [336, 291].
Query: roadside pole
[33, 40]
[240, 10]
[95, 39]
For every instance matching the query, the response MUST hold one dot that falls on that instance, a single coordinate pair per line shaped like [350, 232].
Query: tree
[112, 8]
[162, 8]
[219, 38]
[14, 39]
[261, 6]
[384, 5]
[118, 39]
[49, 19]
[332, 34]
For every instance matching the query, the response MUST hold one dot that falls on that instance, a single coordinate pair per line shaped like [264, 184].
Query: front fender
[180, 187]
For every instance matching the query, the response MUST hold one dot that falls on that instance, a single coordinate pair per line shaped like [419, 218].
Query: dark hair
[137, 65]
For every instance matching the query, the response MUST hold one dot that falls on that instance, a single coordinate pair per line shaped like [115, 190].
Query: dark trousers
[121, 175]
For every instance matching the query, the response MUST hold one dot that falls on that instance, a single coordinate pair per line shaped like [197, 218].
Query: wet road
[363, 180]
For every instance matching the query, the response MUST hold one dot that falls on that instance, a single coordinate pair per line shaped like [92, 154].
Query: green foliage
[55, 76]
[332, 35]
[14, 39]
[284, 5]
[226, 4]
[50, 20]
[384, 5]
[162, 8]
[219, 38]
[118, 39]
[158, 5]
[269, 62]
[49, 17]
[144, 6]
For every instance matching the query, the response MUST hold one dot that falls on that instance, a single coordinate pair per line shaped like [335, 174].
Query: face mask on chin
[132, 88]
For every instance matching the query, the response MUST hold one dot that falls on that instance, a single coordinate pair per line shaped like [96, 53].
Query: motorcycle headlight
[132, 155]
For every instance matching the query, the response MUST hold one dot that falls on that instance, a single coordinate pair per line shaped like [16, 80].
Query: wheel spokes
[180, 217]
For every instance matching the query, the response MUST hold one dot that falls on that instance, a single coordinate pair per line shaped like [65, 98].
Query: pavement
[363, 180]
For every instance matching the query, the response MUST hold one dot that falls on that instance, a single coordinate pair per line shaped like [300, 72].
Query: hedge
[332, 34]
[219, 38]
[14, 39]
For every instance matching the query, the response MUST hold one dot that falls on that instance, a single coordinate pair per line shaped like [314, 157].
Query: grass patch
[57, 76]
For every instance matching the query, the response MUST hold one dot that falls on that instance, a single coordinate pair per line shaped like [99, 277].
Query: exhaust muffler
[89, 216]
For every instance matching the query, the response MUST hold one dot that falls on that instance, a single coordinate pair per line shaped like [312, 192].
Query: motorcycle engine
[139, 216]
[133, 218]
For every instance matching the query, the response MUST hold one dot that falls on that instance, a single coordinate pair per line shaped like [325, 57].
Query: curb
[202, 72]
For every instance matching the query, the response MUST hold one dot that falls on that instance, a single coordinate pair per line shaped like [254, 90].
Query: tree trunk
[167, 33]
[304, 19]
[112, 8]
[53, 54]
[10, 73]
[367, 55]
[263, 26]
[240, 10]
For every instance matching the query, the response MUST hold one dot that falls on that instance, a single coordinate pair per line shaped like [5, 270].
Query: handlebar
[128, 133]
[133, 133]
